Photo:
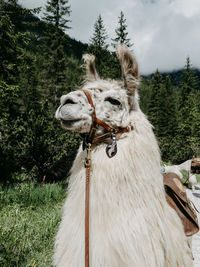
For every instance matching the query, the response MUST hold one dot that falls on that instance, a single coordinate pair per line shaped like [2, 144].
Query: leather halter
[88, 141]
[96, 122]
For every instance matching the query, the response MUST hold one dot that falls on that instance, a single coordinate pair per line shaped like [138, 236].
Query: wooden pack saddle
[177, 199]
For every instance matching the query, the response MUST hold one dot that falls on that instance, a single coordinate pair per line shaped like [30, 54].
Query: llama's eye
[113, 101]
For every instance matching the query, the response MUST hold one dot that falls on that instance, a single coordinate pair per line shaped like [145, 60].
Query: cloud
[164, 32]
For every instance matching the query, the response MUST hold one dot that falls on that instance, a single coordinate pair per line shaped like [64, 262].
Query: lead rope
[87, 202]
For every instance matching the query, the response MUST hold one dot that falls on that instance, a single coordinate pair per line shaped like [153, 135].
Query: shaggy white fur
[131, 224]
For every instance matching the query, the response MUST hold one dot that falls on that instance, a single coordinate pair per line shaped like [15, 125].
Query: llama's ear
[129, 66]
[91, 73]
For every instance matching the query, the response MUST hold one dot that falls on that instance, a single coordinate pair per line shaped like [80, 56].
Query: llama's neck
[136, 166]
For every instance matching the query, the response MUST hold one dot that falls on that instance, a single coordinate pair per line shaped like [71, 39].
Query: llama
[131, 224]
[185, 166]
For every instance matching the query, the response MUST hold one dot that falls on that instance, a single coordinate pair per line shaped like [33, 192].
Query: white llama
[185, 166]
[131, 224]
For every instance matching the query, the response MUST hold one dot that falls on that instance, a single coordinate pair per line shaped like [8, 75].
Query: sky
[164, 32]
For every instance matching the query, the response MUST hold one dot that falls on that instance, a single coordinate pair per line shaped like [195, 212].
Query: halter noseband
[111, 149]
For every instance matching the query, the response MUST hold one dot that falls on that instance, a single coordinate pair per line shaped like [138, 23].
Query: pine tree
[55, 64]
[160, 112]
[170, 106]
[145, 94]
[98, 47]
[167, 121]
[99, 37]
[188, 82]
[188, 119]
[56, 11]
[194, 120]
[55, 67]
[9, 51]
[9, 130]
[154, 102]
[121, 32]
[189, 86]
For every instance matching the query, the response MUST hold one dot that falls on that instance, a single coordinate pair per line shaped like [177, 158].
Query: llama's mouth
[69, 123]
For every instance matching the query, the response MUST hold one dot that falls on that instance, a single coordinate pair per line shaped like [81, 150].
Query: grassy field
[29, 217]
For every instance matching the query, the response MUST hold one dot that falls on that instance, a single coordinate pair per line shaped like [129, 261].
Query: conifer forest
[39, 62]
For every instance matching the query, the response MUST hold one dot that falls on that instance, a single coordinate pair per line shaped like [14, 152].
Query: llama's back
[174, 169]
[185, 166]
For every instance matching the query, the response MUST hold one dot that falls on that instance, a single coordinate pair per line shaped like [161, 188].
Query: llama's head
[113, 100]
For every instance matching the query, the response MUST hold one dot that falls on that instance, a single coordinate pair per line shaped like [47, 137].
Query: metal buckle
[111, 149]
[87, 163]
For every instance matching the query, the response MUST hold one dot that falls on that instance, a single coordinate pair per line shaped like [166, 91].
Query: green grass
[29, 217]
